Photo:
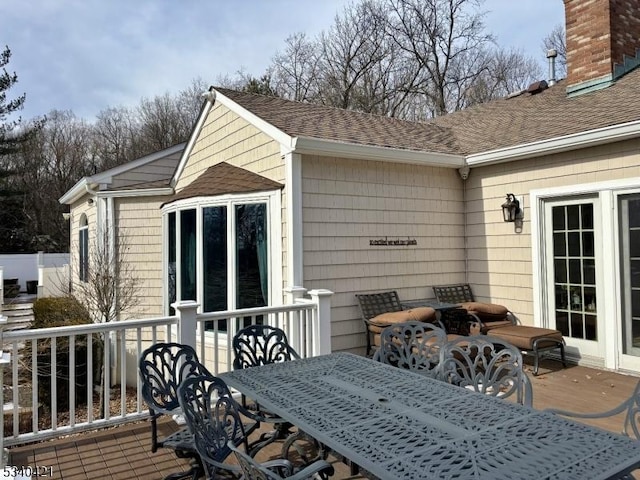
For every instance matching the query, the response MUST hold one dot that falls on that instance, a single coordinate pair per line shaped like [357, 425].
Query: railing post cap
[295, 289]
[185, 304]
[321, 292]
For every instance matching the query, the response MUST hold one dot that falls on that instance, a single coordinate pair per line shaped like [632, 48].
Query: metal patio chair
[258, 345]
[163, 367]
[487, 365]
[279, 469]
[379, 310]
[412, 345]
[213, 418]
[498, 321]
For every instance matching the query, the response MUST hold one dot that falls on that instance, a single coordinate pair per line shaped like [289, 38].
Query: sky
[90, 55]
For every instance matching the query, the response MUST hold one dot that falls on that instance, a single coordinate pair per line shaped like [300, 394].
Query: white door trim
[607, 192]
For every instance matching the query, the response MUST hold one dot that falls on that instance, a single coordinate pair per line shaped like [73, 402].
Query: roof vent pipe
[551, 55]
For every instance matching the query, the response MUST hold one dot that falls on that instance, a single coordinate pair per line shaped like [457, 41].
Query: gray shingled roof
[299, 119]
[223, 178]
[501, 123]
[548, 114]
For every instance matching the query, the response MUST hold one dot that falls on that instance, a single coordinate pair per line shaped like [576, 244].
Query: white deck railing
[63, 358]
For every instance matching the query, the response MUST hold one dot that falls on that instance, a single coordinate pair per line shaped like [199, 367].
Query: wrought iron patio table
[397, 424]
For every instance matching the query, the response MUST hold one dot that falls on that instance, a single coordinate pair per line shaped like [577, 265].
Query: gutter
[149, 192]
[590, 138]
[75, 192]
[311, 146]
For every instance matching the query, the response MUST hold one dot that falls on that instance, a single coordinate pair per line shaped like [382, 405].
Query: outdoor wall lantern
[511, 208]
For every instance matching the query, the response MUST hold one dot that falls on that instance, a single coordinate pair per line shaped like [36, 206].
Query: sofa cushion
[488, 326]
[523, 336]
[486, 311]
[420, 314]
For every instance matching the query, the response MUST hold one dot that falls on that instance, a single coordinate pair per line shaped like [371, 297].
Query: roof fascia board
[267, 128]
[150, 192]
[316, 146]
[106, 177]
[206, 108]
[75, 192]
[599, 136]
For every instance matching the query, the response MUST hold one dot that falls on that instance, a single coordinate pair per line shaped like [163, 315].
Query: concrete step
[19, 316]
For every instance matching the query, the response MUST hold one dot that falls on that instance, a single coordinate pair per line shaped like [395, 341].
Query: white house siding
[347, 203]
[139, 218]
[500, 265]
[225, 137]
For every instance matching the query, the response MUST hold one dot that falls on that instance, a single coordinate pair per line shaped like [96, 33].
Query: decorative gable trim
[204, 113]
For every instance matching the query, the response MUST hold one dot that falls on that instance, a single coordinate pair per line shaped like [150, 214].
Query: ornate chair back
[257, 345]
[412, 345]
[214, 420]
[487, 365]
[163, 367]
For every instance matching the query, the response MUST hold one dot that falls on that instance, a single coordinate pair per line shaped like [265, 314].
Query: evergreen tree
[13, 237]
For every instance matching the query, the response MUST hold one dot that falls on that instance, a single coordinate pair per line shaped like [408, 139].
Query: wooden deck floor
[124, 452]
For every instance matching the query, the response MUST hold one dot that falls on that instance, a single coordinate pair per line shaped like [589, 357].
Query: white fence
[52, 366]
[25, 266]
[49, 272]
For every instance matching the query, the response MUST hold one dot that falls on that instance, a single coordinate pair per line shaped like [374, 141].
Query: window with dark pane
[188, 255]
[171, 260]
[574, 270]
[629, 231]
[214, 259]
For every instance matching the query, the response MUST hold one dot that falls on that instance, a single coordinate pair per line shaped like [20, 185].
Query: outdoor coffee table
[397, 424]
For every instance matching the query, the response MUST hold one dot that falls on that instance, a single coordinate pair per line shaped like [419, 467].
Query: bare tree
[109, 286]
[189, 102]
[557, 40]
[49, 163]
[295, 72]
[161, 123]
[509, 71]
[114, 136]
[446, 42]
[357, 63]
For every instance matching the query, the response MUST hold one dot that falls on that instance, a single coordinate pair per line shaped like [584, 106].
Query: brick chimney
[603, 38]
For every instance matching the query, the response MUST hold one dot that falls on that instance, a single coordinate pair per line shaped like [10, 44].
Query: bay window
[219, 251]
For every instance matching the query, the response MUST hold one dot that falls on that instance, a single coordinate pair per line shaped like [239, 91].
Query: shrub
[58, 312]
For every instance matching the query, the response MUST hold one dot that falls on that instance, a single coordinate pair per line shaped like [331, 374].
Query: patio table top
[398, 424]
